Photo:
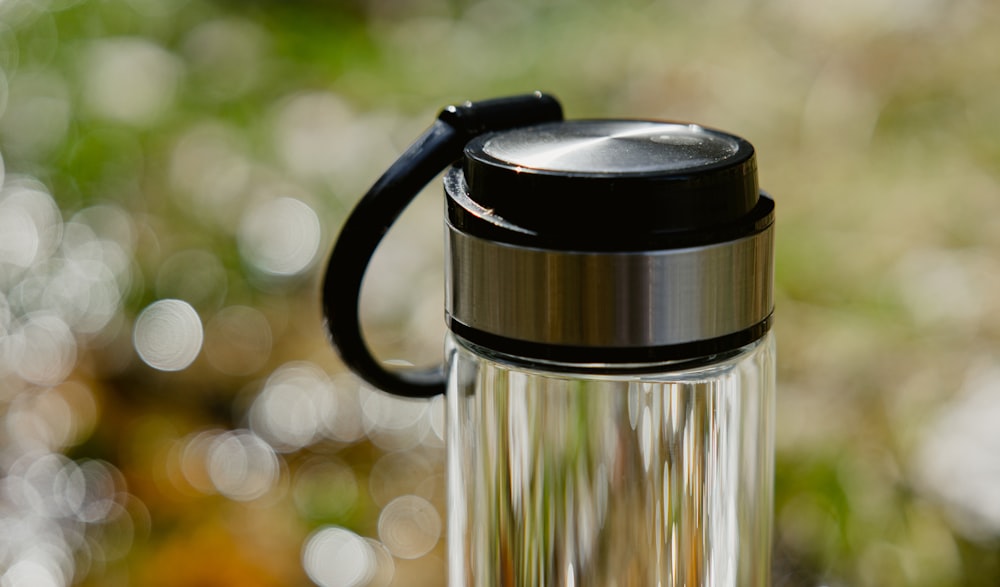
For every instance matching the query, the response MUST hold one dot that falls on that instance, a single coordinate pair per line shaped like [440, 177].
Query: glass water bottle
[609, 367]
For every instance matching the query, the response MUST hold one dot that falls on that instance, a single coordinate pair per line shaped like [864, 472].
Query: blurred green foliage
[876, 125]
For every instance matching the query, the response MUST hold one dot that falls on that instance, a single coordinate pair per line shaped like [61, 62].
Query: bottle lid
[608, 242]
[608, 185]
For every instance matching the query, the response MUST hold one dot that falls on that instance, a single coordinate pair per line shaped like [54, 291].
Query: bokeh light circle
[44, 349]
[394, 423]
[242, 466]
[409, 526]
[29, 573]
[385, 568]
[30, 225]
[168, 335]
[296, 405]
[280, 237]
[129, 80]
[337, 557]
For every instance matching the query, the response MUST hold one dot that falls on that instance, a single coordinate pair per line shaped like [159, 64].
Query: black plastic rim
[618, 359]
[467, 215]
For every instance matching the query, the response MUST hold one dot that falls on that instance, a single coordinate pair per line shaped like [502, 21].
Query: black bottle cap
[608, 185]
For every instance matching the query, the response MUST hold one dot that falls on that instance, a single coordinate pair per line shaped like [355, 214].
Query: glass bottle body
[610, 478]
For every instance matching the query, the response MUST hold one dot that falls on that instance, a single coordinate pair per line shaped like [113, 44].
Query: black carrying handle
[438, 147]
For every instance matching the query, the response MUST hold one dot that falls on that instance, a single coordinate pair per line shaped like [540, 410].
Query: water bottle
[609, 370]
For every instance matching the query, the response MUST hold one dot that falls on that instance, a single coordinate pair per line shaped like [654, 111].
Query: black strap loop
[371, 219]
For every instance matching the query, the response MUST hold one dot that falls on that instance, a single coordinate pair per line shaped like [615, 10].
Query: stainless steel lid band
[644, 299]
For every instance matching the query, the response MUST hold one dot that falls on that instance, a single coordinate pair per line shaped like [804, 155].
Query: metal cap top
[607, 185]
[598, 147]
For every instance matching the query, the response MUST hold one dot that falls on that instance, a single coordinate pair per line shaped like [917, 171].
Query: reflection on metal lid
[611, 146]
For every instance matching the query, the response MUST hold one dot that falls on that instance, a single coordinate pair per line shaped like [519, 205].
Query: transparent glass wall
[612, 479]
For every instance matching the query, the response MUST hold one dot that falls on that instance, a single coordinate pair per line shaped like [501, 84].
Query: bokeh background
[175, 172]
